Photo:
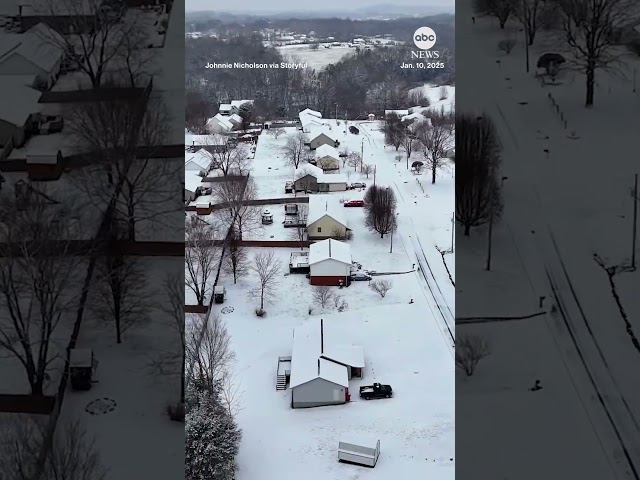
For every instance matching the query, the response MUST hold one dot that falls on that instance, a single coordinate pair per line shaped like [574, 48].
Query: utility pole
[374, 175]
[635, 220]
[490, 233]
[453, 228]
[336, 113]
[526, 35]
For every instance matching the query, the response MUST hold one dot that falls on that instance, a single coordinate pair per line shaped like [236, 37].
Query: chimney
[318, 366]
[321, 336]
[329, 248]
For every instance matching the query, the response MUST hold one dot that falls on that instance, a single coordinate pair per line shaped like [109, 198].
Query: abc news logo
[424, 38]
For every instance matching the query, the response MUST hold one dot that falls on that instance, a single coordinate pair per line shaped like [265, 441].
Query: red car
[354, 203]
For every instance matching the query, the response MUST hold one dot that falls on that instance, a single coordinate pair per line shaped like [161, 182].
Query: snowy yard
[415, 441]
[130, 397]
[562, 206]
[315, 59]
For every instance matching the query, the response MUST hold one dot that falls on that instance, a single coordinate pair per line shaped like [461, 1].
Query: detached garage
[329, 263]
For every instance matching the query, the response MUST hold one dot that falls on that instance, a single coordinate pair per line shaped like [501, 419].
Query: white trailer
[361, 451]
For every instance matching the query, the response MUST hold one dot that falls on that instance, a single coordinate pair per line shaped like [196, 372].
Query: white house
[191, 183]
[329, 263]
[322, 365]
[35, 52]
[224, 109]
[18, 108]
[199, 162]
[326, 218]
[235, 120]
[308, 111]
[219, 124]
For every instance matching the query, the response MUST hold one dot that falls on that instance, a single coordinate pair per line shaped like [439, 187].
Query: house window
[319, 229]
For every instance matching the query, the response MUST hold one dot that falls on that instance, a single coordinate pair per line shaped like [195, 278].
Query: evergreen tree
[212, 437]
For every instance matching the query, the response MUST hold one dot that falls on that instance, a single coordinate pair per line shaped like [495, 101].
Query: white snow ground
[539, 210]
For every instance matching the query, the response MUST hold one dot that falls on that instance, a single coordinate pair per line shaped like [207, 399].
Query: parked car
[377, 390]
[358, 185]
[354, 130]
[359, 277]
[288, 187]
[354, 203]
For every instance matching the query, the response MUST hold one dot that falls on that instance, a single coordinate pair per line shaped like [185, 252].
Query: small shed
[81, 367]
[359, 451]
[291, 209]
[267, 217]
[371, 117]
[219, 294]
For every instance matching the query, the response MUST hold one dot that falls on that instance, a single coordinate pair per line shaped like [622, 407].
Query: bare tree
[121, 292]
[267, 268]
[96, 39]
[367, 169]
[338, 300]
[208, 350]
[300, 230]
[443, 93]
[236, 195]
[478, 162]
[506, 45]
[201, 256]
[173, 289]
[294, 150]
[38, 283]
[236, 261]
[500, 9]
[470, 349]
[322, 295]
[589, 28]
[276, 132]
[381, 287]
[354, 160]
[436, 141]
[380, 207]
[122, 138]
[73, 455]
[228, 158]
[534, 15]
[408, 144]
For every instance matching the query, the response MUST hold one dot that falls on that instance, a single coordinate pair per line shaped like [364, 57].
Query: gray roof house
[323, 139]
[321, 367]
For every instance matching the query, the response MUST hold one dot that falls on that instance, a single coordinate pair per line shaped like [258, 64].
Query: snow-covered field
[562, 206]
[315, 59]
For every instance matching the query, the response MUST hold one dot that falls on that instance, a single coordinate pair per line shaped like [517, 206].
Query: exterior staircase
[283, 372]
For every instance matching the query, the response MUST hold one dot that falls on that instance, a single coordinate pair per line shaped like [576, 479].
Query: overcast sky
[297, 5]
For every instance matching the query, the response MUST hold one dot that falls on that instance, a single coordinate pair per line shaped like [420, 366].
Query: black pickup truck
[376, 390]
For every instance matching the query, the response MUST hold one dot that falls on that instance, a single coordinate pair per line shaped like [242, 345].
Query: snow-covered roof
[359, 439]
[20, 101]
[327, 151]
[40, 46]
[413, 116]
[201, 158]
[329, 249]
[306, 361]
[192, 180]
[224, 107]
[308, 111]
[308, 170]
[235, 118]
[400, 113]
[80, 357]
[325, 205]
[333, 178]
[220, 120]
[352, 355]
